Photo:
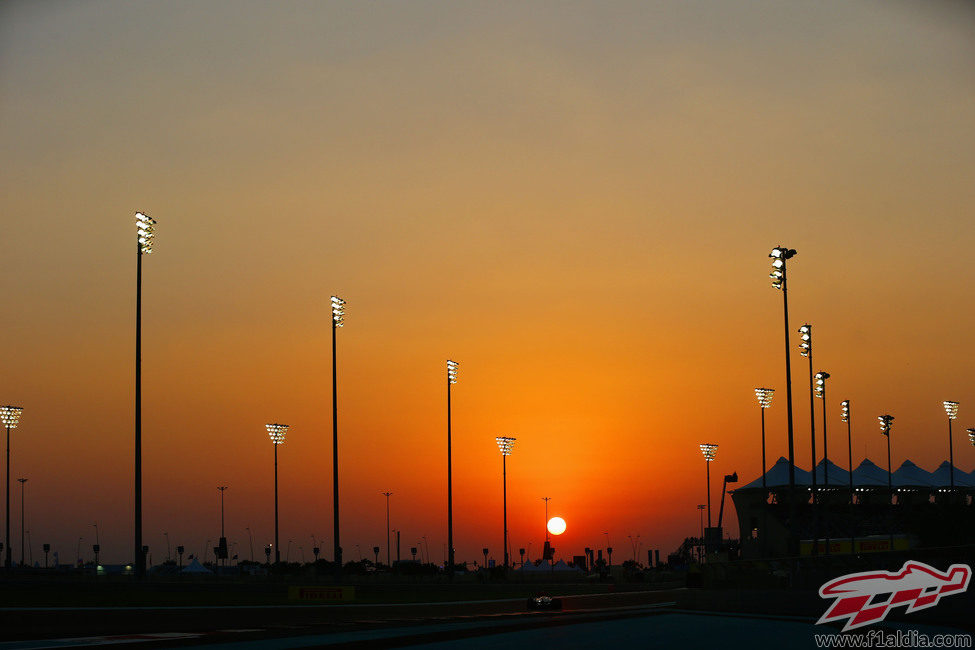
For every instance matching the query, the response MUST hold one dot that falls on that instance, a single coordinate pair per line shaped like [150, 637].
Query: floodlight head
[710, 450]
[885, 423]
[277, 433]
[951, 408]
[805, 340]
[505, 443]
[821, 378]
[146, 228]
[845, 413]
[338, 311]
[779, 255]
[10, 416]
[971, 436]
[452, 371]
[764, 396]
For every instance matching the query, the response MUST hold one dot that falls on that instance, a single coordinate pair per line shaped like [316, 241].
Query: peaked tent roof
[195, 567]
[942, 476]
[562, 566]
[867, 474]
[778, 476]
[910, 475]
[838, 476]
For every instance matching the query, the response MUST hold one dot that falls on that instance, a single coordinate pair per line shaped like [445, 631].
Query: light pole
[764, 396]
[845, 416]
[250, 538]
[10, 416]
[505, 443]
[22, 482]
[885, 427]
[951, 408]
[451, 379]
[805, 349]
[223, 538]
[780, 256]
[277, 433]
[168, 547]
[145, 233]
[97, 547]
[700, 510]
[546, 500]
[338, 320]
[821, 378]
[388, 560]
[710, 450]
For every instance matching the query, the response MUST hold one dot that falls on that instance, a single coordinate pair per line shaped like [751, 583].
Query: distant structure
[925, 511]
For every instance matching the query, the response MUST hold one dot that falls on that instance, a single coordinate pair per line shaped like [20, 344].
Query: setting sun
[556, 525]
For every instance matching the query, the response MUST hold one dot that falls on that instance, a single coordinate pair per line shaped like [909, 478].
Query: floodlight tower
[388, 561]
[505, 443]
[780, 256]
[338, 320]
[764, 396]
[805, 349]
[23, 484]
[145, 233]
[710, 450]
[951, 408]
[452, 367]
[821, 378]
[276, 433]
[10, 417]
[885, 427]
[845, 417]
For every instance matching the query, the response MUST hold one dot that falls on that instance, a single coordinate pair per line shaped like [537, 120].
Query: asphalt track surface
[633, 619]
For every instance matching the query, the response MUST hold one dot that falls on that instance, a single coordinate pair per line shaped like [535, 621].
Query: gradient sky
[575, 200]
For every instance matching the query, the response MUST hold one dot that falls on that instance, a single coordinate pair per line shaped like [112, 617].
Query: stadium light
[338, 320]
[764, 396]
[886, 423]
[452, 367]
[951, 408]
[277, 433]
[710, 450]
[145, 227]
[10, 417]
[505, 444]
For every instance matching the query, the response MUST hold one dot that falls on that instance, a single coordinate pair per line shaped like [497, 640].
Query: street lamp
[951, 408]
[505, 443]
[885, 427]
[387, 495]
[22, 482]
[276, 433]
[145, 233]
[451, 379]
[780, 255]
[845, 416]
[223, 538]
[338, 320]
[710, 450]
[10, 417]
[764, 396]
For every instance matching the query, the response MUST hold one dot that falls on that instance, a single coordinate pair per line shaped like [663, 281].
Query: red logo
[865, 598]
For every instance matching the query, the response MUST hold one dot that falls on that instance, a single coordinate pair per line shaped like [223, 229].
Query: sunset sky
[574, 200]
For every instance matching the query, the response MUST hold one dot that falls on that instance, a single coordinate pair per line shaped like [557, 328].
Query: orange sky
[573, 200]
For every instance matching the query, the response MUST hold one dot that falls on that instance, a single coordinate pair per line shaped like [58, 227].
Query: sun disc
[556, 525]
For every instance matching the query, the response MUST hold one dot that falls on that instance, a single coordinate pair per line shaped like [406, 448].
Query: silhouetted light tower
[277, 433]
[951, 408]
[846, 417]
[505, 443]
[764, 396]
[145, 233]
[546, 500]
[451, 379]
[387, 495]
[22, 482]
[821, 378]
[338, 320]
[710, 450]
[780, 256]
[10, 416]
[700, 509]
[805, 349]
[885, 427]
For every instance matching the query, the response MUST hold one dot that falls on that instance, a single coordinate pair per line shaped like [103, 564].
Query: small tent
[194, 567]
